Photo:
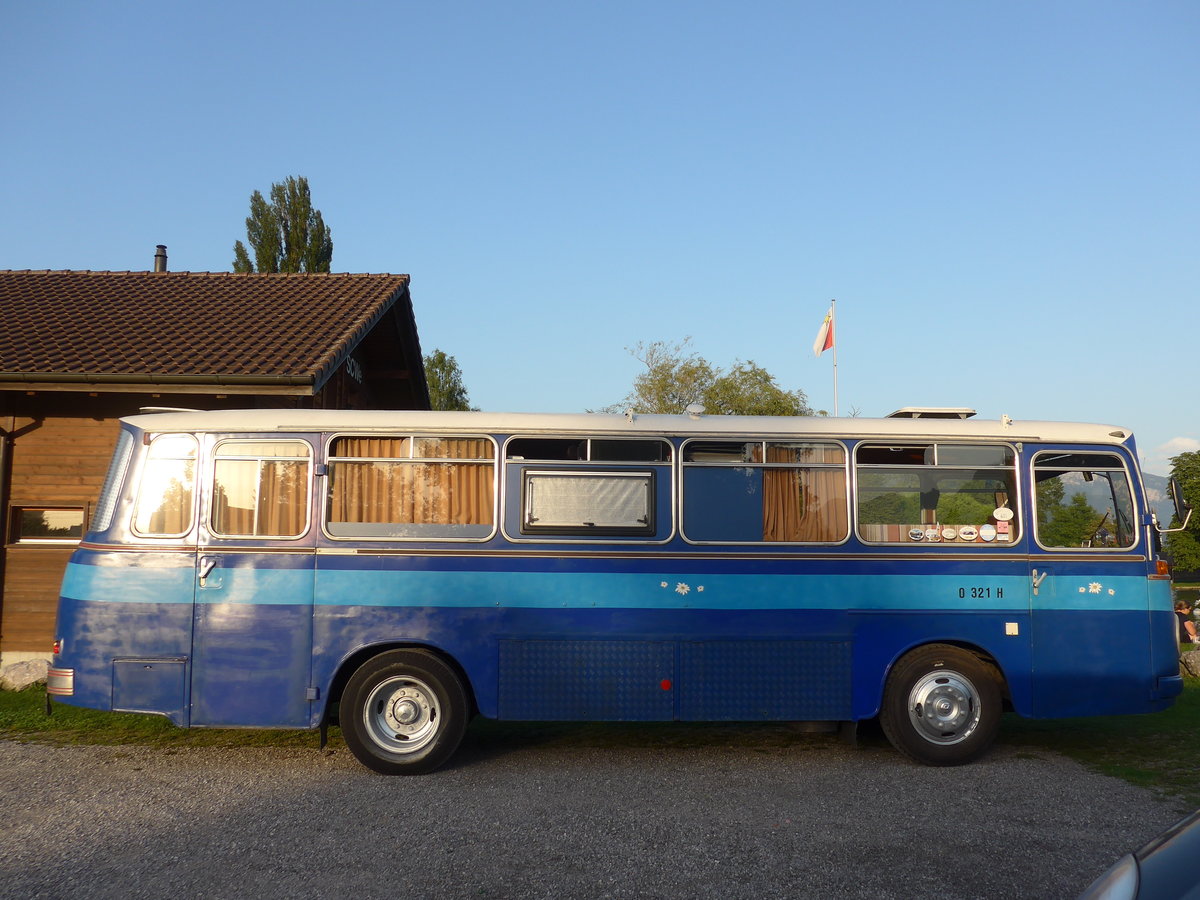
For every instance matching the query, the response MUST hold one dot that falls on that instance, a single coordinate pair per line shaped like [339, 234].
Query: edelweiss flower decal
[1095, 587]
[682, 587]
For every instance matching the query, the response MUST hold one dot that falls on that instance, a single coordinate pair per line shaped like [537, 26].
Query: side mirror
[1183, 509]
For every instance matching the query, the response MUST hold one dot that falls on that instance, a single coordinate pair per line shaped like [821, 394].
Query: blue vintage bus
[398, 573]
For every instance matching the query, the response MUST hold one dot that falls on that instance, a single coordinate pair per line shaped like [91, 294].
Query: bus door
[1089, 586]
[252, 624]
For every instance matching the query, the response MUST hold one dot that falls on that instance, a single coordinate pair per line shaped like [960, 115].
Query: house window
[47, 524]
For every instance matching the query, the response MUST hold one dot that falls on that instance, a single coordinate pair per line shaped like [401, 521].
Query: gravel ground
[807, 817]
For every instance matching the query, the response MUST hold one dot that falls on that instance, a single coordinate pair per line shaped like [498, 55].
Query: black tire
[404, 712]
[941, 705]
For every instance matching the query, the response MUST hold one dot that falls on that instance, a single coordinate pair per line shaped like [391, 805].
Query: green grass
[23, 718]
[1156, 751]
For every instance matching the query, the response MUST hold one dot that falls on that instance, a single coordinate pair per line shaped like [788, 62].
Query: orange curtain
[267, 498]
[283, 497]
[804, 504]
[416, 491]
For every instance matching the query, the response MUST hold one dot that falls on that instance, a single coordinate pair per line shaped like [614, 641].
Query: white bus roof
[633, 425]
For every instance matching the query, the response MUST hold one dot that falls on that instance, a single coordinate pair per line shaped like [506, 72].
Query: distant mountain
[1098, 496]
[1159, 497]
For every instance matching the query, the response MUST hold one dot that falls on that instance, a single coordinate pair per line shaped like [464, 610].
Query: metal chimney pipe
[160, 258]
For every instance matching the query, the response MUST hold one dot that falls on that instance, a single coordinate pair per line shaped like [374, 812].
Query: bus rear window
[111, 490]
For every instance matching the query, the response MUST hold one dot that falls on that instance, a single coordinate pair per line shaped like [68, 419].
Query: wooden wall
[53, 462]
[59, 448]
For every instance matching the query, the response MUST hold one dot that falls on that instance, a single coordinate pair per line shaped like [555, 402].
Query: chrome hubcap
[943, 707]
[401, 715]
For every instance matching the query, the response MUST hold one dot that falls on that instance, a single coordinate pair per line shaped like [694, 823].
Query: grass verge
[23, 718]
[1155, 751]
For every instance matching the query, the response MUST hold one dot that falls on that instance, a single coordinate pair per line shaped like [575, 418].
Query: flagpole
[833, 325]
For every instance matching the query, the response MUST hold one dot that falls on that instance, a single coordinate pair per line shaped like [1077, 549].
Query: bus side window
[260, 489]
[166, 494]
[398, 487]
[1083, 501]
[940, 493]
[764, 492]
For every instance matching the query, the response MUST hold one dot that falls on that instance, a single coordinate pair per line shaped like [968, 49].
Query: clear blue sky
[1003, 198]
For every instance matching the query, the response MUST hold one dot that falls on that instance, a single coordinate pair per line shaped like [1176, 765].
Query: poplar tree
[285, 233]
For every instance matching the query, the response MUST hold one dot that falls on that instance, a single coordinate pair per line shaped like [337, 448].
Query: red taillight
[58, 646]
[1164, 567]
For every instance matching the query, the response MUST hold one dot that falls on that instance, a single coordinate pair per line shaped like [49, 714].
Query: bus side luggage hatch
[151, 686]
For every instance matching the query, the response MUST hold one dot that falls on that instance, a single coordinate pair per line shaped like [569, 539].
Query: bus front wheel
[941, 705]
[404, 712]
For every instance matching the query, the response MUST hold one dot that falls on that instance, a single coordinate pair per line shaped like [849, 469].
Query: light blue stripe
[144, 584]
[264, 587]
[550, 590]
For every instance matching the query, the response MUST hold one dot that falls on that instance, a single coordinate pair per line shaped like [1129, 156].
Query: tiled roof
[186, 323]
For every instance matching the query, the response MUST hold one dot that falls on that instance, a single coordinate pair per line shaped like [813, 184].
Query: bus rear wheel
[403, 712]
[941, 705]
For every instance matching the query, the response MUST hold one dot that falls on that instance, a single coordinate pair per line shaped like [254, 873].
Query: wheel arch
[968, 646]
[942, 702]
[355, 660]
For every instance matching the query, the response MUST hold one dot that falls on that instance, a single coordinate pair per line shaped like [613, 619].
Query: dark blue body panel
[586, 638]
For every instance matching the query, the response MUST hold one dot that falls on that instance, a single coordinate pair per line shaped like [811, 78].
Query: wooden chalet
[80, 349]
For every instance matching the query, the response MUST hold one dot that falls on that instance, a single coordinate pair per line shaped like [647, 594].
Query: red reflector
[665, 684]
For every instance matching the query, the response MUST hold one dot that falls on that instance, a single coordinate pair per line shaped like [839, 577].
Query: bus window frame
[210, 491]
[1129, 482]
[514, 474]
[845, 467]
[1015, 496]
[135, 475]
[412, 436]
[530, 476]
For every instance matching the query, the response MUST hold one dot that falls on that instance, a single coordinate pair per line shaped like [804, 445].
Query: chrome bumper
[60, 682]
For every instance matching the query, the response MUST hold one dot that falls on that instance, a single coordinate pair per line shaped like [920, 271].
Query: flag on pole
[824, 339]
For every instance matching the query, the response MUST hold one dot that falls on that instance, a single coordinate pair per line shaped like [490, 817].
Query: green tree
[963, 508]
[1067, 524]
[677, 377]
[1184, 546]
[285, 233]
[445, 379]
